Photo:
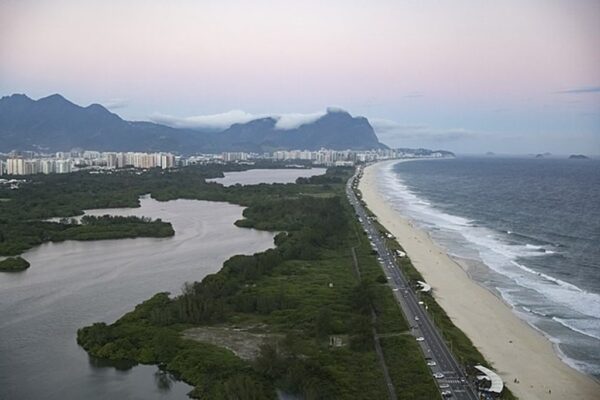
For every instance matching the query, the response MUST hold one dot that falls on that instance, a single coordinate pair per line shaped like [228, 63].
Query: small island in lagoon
[14, 264]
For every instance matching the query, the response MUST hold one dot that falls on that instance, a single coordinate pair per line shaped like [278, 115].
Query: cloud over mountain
[53, 123]
[225, 120]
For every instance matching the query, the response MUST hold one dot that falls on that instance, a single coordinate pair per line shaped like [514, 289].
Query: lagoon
[74, 284]
[256, 176]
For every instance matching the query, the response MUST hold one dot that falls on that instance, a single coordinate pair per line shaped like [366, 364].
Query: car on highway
[447, 393]
[438, 375]
[444, 386]
[420, 339]
[416, 318]
[431, 363]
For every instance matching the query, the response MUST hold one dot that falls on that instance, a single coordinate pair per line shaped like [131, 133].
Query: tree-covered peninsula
[308, 303]
[302, 318]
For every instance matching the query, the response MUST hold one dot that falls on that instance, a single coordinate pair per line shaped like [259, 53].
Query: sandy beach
[513, 347]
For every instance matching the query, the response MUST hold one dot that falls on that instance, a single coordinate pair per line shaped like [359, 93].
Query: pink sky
[445, 65]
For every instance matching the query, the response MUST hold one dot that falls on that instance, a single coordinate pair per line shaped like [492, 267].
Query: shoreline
[510, 344]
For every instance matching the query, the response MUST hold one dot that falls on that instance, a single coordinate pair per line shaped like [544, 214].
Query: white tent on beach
[424, 287]
[496, 385]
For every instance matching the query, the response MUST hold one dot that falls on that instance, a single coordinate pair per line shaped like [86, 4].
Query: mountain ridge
[54, 123]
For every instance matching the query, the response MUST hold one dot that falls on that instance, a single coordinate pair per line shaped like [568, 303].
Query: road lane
[433, 346]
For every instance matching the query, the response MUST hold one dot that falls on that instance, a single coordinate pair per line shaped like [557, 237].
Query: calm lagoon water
[256, 176]
[73, 284]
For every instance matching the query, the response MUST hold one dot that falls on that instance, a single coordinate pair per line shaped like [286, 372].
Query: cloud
[213, 121]
[223, 121]
[113, 104]
[580, 90]
[413, 95]
[392, 130]
[292, 121]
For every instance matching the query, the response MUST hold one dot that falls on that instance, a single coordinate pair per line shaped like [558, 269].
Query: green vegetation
[406, 366]
[460, 345]
[23, 211]
[114, 227]
[13, 264]
[304, 292]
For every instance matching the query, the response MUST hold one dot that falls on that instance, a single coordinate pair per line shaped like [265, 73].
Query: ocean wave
[535, 247]
[499, 251]
[578, 365]
[588, 327]
[534, 312]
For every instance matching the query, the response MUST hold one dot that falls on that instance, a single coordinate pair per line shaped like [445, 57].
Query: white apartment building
[15, 166]
[63, 166]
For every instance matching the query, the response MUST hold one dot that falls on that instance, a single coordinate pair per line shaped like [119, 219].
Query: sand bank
[513, 347]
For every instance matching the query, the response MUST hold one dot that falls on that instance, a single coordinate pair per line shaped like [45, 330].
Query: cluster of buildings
[350, 157]
[328, 157]
[29, 163]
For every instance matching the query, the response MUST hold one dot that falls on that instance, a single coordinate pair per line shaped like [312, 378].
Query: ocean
[528, 229]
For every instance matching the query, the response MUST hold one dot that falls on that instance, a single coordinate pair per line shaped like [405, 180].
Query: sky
[511, 76]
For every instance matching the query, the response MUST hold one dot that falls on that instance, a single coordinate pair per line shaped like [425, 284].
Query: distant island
[13, 264]
[578, 157]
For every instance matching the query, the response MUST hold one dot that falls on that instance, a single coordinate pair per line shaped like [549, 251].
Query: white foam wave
[577, 364]
[534, 312]
[533, 246]
[588, 327]
[495, 251]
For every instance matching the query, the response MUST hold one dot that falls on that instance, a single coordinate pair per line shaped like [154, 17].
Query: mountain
[54, 123]
[578, 157]
[337, 129]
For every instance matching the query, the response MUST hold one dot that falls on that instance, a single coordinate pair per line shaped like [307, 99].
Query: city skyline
[513, 77]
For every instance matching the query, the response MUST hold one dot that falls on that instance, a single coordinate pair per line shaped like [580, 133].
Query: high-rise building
[111, 160]
[15, 166]
[32, 166]
[47, 166]
[167, 160]
[63, 166]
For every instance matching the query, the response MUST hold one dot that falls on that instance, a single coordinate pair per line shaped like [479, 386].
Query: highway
[448, 373]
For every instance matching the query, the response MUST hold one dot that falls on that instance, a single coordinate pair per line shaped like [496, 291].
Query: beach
[513, 347]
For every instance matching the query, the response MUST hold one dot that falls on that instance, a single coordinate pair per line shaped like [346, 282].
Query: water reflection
[164, 380]
[73, 284]
[120, 365]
